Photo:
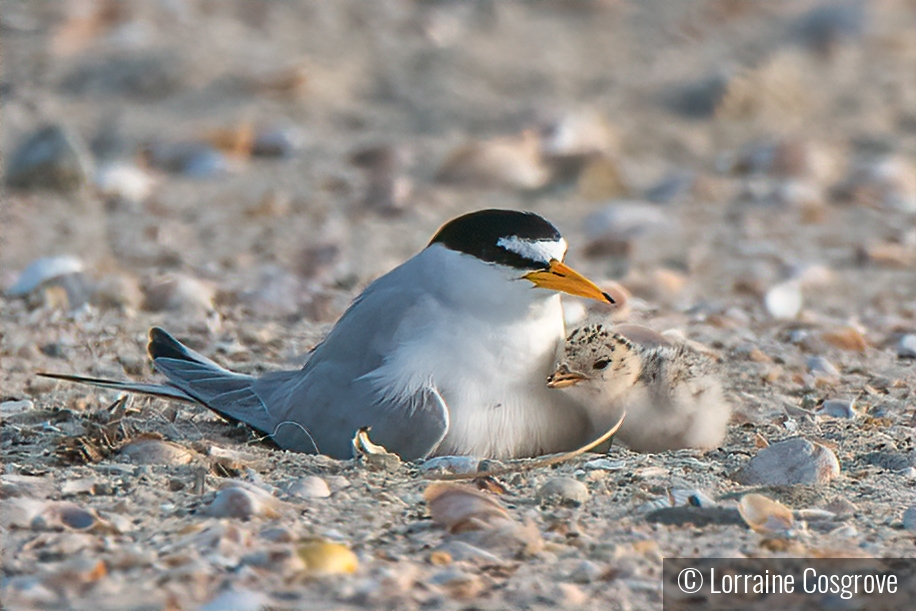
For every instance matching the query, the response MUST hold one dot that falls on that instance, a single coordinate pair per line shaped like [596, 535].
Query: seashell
[179, 293]
[462, 508]
[508, 161]
[42, 271]
[789, 462]
[821, 367]
[124, 181]
[310, 487]
[838, 408]
[784, 301]
[237, 600]
[153, 451]
[579, 133]
[243, 501]
[328, 558]
[563, 490]
[374, 455]
[766, 516]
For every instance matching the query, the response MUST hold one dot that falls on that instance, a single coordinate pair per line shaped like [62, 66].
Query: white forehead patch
[542, 251]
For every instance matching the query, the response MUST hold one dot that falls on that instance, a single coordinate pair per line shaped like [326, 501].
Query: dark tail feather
[228, 393]
[156, 390]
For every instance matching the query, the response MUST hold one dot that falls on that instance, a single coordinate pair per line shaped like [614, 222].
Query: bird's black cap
[480, 233]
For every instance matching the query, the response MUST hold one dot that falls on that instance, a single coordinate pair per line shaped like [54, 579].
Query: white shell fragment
[766, 516]
[44, 270]
[310, 487]
[784, 301]
[793, 461]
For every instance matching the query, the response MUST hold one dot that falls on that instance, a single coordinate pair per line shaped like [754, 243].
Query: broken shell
[766, 516]
[450, 464]
[327, 558]
[461, 508]
[41, 271]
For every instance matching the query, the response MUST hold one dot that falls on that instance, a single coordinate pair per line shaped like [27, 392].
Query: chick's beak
[560, 277]
[563, 377]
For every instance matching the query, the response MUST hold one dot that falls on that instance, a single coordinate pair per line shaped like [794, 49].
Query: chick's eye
[600, 364]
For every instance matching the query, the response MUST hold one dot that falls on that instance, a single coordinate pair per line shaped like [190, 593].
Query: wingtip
[163, 345]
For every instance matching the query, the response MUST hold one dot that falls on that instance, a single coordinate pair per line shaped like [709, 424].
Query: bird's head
[523, 242]
[600, 359]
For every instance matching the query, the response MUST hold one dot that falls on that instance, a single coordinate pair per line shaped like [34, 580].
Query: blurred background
[266, 159]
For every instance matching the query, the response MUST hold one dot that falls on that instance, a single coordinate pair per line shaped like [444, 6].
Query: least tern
[445, 354]
[670, 391]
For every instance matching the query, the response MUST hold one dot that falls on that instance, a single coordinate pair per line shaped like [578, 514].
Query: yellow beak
[563, 377]
[561, 277]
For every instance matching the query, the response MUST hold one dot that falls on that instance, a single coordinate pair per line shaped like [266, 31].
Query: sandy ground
[766, 152]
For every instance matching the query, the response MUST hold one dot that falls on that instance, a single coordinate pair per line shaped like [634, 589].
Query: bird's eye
[601, 364]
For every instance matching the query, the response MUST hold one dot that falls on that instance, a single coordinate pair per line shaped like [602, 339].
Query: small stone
[821, 367]
[124, 182]
[178, 293]
[508, 161]
[568, 595]
[909, 518]
[605, 464]
[238, 600]
[563, 490]
[458, 583]
[450, 464]
[14, 408]
[117, 291]
[149, 451]
[310, 487]
[586, 572]
[611, 229]
[784, 301]
[906, 346]
[793, 461]
[838, 408]
[277, 142]
[50, 158]
[193, 159]
[846, 338]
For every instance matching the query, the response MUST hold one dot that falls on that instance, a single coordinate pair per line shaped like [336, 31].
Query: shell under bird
[669, 389]
[445, 354]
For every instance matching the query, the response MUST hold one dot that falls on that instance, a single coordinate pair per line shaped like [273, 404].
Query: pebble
[124, 181]
[277, 142]
[563, 490]
[824, 27]
[613, 227]
[450, 464]
[605, 464]
[117, 291]
[459, 551]
[586, 572]
[784, 301]
[328, 558]
[906, 346]
[192, 159]
[50, 158]
[237, 600]
[310, 487]
[178, 293]
[788, 462]
[821, 367]
[243, 502]
[458, 583]
[14, 408]
[909, 518]
[838, 408]
[509, 161]
[146, 451]
[578, 133]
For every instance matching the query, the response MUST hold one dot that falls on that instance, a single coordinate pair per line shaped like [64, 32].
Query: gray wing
[333, 396]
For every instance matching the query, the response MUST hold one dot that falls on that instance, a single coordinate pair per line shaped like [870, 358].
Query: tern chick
[670, 391]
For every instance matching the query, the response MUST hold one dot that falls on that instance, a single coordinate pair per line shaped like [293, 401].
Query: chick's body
[670, 391]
